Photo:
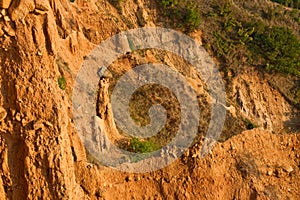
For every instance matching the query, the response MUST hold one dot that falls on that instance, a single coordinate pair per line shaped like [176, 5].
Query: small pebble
[18, 117]
[288, 169]
[3, 12]
[270, 173]
[6, 18]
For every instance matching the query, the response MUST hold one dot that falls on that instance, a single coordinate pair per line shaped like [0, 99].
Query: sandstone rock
[40, 12]
[103, 98]
[73, 42]
[5, 3]
[51, 34]
[20, 11]
[49, 124]
[42, 5]
[38, 125]
[9, 31]
[3, 114]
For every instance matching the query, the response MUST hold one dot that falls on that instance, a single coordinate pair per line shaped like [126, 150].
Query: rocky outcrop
[5, 3]
[259, 103]
[20, 9]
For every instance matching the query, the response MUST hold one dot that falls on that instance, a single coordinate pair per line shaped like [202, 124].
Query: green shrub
[62, 83]
[169, 3]
[192, 18]
[279, 48]
[138, 146]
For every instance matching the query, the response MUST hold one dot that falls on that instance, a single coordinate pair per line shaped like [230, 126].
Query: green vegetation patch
[183, 14]
[279, 48]
[249, 125]
[62, 83]
[139, 146]
[275, 48]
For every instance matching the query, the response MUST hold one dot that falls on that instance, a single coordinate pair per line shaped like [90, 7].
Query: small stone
[48, 124]
[12, 112]
[39, 53]
[270, 172]
[137, 178]
[288, 169]
[18, 117]
[6, 18]
[3, 12]
[24, 122]
[89, 165]
[195, 155]
[9, 31]
[232, 147]
[40, 12]
[38, 125]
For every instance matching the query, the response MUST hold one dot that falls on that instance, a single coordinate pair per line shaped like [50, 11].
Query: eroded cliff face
[41, 154]
[36, 133]
[40, 42]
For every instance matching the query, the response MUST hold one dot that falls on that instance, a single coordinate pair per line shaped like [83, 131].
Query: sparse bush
[184, 14]
[192, 18]
[138, 146]
[62, 83]
[169, 3]
[249, 125]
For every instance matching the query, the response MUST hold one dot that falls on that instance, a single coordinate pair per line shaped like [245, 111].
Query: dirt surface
[42, 157]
